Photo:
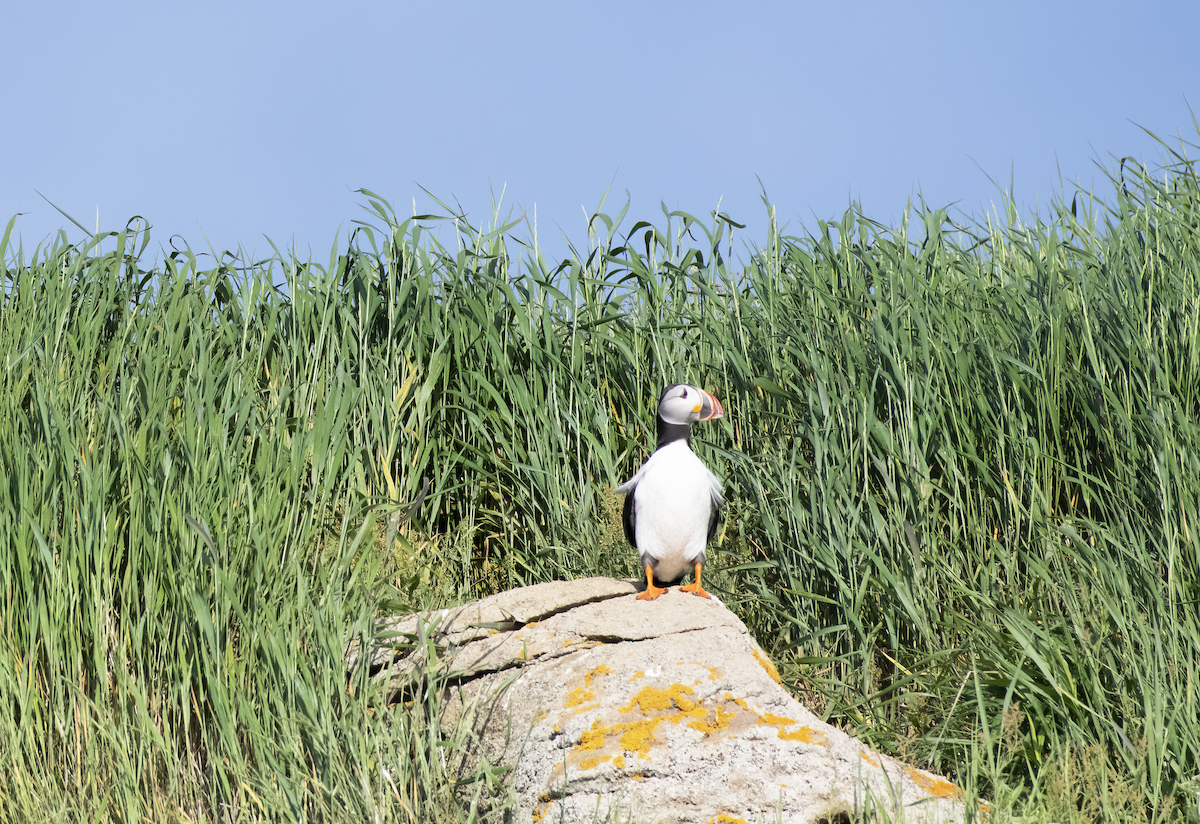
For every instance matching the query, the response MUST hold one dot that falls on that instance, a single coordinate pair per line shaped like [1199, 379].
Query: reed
[961, 459]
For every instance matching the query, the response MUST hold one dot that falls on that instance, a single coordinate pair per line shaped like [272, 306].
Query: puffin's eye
[683, 394]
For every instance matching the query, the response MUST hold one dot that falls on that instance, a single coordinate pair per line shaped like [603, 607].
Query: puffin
[673, 504]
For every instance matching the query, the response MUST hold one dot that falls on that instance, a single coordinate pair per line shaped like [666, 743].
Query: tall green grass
[960, 459]
[188, 552]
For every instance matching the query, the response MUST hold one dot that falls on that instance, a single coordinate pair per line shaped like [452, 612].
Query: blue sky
[227, 122]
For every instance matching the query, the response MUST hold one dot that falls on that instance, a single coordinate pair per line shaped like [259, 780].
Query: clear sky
[225, 122]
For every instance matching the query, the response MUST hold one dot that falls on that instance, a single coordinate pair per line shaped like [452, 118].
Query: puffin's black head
[679, 407]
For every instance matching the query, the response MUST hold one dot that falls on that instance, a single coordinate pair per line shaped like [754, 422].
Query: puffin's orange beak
[710, 407]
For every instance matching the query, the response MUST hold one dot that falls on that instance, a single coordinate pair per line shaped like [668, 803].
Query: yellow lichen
[721, 721]
[638, 675]
[741, 702]
[539, 813]
[592, 739]
[579, 696]
[869, 759]
[936, 787]
[593, 761]
[649, 699]
[600, 670]
[639, 735]
[676, 704]
[805, 735]
[776, 720]
[726, 819]
[766, 664]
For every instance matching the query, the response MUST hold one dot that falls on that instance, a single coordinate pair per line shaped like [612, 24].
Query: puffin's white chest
[674, 499]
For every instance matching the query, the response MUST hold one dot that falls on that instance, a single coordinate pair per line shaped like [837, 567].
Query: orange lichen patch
[539, 813]
[579, 696]
[869, 759]
[936, 787]
[637, 675]
[568, 642]
[636, 737]
[532, 624]
[805, 735]
[766, 664]
[600, 670]
[639, 735]
[592, 739]
[593, 761]
[741, 702]
[726, 819]
[637, 776]
[649, 699]
[720, 721]
[621, 740]
[776, 720]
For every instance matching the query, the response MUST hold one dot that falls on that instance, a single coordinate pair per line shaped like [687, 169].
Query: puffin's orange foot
[651, 592]
[696, 588]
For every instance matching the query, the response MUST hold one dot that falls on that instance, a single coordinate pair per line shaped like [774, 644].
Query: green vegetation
[963, 465]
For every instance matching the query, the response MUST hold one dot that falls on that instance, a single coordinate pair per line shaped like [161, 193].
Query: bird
[673, 504]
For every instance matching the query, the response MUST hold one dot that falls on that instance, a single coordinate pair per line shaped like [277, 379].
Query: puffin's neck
[671, 432]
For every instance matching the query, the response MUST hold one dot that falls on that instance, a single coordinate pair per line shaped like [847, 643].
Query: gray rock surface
[656, 712]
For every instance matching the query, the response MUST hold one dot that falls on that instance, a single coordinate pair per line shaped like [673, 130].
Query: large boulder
[659, 711]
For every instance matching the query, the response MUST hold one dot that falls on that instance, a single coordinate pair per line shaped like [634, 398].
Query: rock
[660, 711]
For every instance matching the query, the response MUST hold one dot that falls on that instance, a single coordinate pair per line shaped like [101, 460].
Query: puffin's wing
[629, 512]
[716, 508]
[714, 521]
[629, 519]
